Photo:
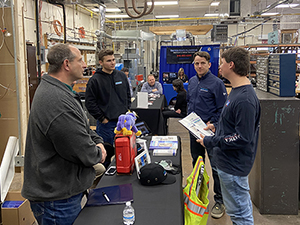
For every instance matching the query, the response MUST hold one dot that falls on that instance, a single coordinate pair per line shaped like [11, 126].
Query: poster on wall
[182, 54]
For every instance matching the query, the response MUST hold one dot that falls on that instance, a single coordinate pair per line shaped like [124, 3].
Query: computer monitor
[168, 77]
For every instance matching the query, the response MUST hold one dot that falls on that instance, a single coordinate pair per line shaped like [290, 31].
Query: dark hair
[241, 59]
[57, 55]
[178, 84]
[105, 52]
[125, 69]
[202, 54]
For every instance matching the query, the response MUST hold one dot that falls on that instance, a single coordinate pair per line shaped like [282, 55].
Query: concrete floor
[175, 128]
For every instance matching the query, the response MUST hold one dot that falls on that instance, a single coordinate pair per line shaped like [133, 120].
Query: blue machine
[172, 58]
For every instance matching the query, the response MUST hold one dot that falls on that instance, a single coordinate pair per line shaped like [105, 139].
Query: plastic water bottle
[128, 214]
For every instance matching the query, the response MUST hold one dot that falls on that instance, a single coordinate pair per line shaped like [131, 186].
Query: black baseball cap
[152, 174]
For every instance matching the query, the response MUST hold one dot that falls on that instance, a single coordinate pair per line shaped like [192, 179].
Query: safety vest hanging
[195, 195]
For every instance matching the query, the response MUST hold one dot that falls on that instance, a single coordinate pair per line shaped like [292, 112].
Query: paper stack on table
[164, 145]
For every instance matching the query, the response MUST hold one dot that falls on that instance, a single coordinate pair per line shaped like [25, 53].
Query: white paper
[195, 125]
[142, 100]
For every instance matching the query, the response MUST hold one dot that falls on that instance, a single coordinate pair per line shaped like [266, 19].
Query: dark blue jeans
[198, 150]
[106, 131]
[62, 212]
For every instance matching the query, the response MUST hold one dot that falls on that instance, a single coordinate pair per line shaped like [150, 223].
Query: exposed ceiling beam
[168, 30]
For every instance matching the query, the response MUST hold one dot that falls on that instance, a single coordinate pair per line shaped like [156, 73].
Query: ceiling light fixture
[269, 14]
[113, 10]
[214, 3]
[211, 14]
[116, 16]
[287, 6]
[166, 16]
[164, 3]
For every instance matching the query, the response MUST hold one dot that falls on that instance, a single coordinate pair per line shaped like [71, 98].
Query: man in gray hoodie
[61, 149]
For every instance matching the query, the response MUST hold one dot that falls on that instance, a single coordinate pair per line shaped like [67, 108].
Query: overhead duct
[273, 5]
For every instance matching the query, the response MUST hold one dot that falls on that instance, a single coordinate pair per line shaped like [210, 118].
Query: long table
[160, 204]
[152, 115]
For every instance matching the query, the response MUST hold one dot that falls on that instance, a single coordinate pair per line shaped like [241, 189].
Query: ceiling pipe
[140, 14]
[273, 5]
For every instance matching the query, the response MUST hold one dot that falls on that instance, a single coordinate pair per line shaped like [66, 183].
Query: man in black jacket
[107, 95]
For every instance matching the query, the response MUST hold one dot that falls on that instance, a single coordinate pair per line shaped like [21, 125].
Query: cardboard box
[21, 215]
[17, 216]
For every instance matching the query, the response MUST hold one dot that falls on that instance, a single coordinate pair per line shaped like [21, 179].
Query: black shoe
[218, 210]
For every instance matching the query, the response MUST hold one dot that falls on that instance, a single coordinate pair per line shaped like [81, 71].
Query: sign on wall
[182, 54]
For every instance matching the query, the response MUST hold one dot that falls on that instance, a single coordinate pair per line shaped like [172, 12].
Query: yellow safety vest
[196, 207]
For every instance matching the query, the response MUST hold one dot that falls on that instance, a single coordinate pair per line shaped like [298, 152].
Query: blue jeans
[236, 197]
[60, 212]
[106, 131]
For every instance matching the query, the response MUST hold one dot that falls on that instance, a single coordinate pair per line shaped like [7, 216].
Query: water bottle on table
[128, 214]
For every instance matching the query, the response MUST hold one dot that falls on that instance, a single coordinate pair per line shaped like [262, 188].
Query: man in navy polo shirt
[206, 97]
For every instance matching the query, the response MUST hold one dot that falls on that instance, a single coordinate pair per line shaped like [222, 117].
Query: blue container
[119, 66]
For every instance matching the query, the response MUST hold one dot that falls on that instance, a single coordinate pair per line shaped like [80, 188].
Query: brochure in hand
[195, 125]
[164, 145]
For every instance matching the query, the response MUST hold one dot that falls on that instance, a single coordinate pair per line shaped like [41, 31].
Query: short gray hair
[57, 55]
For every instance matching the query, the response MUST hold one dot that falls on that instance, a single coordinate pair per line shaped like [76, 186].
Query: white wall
[75, 18]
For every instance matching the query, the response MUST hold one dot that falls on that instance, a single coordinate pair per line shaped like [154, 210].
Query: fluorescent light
[269, 14]
[286, 5]
[113, 10]
[164, 3]
[95, 10]
[214, 3]
[166, 16]
[211, 14]
[116, 16]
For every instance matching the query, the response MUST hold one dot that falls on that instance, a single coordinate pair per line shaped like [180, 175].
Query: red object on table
[125, 147]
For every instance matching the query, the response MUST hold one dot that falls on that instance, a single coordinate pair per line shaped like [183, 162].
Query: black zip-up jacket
[107, 95]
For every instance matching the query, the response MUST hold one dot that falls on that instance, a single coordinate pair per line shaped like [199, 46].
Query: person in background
[182, 76]
[236, 135]
[61, 149]
[126, 71]
[152, 86]
[180, 107]
[206, 97]
[107, 96]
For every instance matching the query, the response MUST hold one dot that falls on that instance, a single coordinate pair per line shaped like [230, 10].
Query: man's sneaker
[217, 210]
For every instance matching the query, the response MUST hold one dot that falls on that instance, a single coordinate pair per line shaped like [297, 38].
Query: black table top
[152, 116]
[160, 204]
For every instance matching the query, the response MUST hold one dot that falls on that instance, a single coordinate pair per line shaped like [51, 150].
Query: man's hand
[201, 140]
[178, 111]
[155, 89]
[210, 126]
[104, 154]
[105, 121]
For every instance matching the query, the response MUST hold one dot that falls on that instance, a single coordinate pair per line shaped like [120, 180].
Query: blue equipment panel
[282, 74]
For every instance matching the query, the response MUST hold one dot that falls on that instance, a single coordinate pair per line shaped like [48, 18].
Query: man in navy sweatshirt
[235, 141]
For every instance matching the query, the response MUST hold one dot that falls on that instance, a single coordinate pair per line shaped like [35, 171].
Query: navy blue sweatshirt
[235, 141]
